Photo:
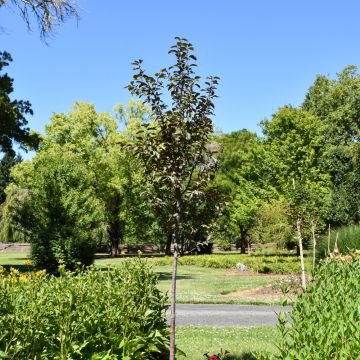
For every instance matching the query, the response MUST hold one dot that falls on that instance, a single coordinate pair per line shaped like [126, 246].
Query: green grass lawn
[195, 284]
[212, 286]
[200, 285]
[241, 342]
[13, 258]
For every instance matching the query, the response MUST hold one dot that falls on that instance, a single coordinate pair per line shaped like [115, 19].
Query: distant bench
[15, 247]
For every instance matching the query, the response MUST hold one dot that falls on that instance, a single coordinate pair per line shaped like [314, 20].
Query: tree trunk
[249, 246]
[173, 305]
[313, 225]
[168, 245]
[329, 239]
[242, 241]
[115, 228]
[303, 278]
[174, 270]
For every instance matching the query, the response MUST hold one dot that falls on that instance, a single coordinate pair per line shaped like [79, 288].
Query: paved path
[227, 315]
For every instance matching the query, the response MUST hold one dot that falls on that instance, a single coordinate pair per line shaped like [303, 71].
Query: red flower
[214, 357]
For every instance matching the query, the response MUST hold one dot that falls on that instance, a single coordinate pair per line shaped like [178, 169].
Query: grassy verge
[241, 342]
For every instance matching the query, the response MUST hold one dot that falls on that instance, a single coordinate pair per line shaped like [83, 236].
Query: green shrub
[326, 318]
[58, 211]
[114, 314]
[224, 245]
[261, 264]
[348, 240]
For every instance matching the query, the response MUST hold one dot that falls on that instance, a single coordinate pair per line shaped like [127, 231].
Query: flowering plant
[219, 356]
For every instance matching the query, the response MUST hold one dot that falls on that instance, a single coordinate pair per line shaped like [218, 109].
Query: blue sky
[267, 53]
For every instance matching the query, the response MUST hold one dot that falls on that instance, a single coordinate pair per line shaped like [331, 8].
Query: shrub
[272, 225]
[261, 264]
[348, 241]
[57, 211]
[224, 245]
[326, 318]
[114, 314]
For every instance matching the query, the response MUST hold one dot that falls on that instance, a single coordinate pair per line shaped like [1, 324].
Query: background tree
[82, 153]
[295, 140]
[243, 214]
[6, 163]
[13, 124]
[244, 182]
[174, 149]
[117, 177]
[336, 102]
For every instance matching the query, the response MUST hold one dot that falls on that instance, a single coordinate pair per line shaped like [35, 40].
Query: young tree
[174, 148]
[295, 141]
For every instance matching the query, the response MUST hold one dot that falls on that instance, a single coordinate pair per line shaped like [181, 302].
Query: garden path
[227, 315]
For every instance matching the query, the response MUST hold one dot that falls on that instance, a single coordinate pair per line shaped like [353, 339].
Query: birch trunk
[303, 278]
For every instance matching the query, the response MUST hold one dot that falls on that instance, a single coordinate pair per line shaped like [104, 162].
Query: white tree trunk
[303, 278]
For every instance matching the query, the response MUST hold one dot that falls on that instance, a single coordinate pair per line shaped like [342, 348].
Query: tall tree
[13, 123]
[295, 141]
[95, 137]
[6, 163]
[336, 102]
[174, 148]
[244, 183]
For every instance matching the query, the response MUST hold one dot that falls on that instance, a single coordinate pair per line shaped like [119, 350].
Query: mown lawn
[240, 342]
[13, 258]
[195, 284]
[201, 285]
[198, 285]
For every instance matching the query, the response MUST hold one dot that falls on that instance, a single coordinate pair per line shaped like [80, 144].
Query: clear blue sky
[267, 53]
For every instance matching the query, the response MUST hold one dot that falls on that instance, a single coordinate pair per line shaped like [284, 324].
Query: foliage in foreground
[114, 314]
[326, 318]
[261, 264]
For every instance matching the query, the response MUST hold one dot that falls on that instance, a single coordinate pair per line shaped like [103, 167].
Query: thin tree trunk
[242, 241]
[174, 270]
[168, 245]
[115, 226]
[314, 242]
[249, 247]
[329, 238]
[173, 306]
[303, 278]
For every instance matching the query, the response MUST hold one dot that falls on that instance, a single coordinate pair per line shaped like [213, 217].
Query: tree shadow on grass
[167, 276]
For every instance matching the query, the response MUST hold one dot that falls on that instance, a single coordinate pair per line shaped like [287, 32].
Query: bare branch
[48, 13]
